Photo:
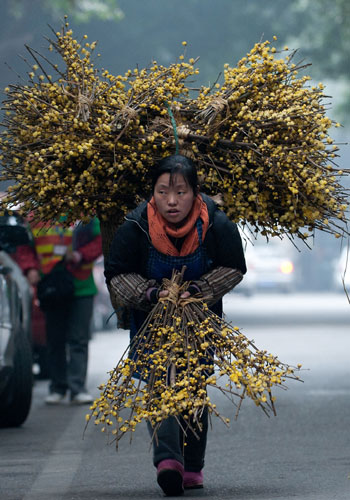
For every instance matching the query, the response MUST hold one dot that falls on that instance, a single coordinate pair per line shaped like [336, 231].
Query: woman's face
[174, 201]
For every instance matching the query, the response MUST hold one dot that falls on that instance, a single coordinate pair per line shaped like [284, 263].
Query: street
[302, 453]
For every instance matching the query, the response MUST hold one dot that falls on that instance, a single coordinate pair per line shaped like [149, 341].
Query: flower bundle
[182, 350]
[61, 142]
[84, 142]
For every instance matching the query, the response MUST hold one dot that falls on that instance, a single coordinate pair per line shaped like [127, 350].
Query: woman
[177, 227]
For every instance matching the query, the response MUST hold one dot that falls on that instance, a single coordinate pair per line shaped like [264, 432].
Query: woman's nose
[172, 200]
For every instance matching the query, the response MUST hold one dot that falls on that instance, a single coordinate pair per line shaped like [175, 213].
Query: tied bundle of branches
[268, 149]
[61, 140]
[182, 350]
[85, 141]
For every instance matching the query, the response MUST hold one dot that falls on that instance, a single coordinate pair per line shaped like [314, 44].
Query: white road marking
[57, 475]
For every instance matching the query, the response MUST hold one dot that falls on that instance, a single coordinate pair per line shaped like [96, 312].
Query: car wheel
[16, 399]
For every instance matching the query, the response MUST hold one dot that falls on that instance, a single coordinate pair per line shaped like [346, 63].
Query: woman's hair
[177, 164]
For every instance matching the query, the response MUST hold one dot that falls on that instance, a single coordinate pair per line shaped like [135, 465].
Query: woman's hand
[154, 294]
[193, 289]
[184, 295]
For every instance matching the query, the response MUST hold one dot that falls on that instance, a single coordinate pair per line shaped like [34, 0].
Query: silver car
[16, 379]
[271, 266]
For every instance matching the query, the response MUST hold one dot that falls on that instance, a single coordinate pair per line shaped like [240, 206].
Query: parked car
[16, 380]
[341, 271]
[271, 266]
[16, 238]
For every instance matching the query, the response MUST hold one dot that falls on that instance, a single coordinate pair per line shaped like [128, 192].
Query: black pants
[169, 443]
[68, 333]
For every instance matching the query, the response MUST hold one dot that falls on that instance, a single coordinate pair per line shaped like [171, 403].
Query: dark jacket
[130, 246]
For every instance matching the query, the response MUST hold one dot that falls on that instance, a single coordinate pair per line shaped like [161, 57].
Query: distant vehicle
[270, 267]
[248, 285]
[341, 271]
[16, 380]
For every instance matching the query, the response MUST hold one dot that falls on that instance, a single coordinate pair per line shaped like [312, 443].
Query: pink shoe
[193, 480]
[170, 477]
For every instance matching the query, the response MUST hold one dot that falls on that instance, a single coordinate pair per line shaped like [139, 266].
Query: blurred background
[132, 33]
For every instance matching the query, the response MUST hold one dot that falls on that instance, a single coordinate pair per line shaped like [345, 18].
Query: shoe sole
[194, 487]
[171, 482]
[59, 402]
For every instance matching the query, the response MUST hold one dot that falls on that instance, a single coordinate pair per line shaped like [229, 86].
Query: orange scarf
[160, 229]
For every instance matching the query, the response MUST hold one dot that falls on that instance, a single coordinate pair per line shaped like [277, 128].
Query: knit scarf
[160, 229]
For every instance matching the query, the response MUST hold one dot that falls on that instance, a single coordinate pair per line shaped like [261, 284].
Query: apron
[161, 266]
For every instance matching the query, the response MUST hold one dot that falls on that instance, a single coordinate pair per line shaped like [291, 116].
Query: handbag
[56, 288]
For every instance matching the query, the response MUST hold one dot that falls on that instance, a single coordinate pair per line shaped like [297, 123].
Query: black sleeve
[125, 254]
[228, 248]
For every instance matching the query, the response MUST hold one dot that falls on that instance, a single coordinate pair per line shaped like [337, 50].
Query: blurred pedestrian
[68, 327]
[178, 227]
[17, 240]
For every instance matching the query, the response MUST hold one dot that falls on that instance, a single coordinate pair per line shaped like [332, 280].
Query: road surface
[302, 453]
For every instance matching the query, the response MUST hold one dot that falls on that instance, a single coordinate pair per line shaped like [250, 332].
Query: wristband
[152, 295]
[193, 289]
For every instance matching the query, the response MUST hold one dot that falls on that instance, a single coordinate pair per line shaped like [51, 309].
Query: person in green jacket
[68, 327]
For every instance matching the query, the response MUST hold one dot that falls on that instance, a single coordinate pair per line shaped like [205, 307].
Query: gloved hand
[193, 289]
[152, 294]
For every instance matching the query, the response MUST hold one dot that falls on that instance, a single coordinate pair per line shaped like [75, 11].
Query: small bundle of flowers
[182, 350]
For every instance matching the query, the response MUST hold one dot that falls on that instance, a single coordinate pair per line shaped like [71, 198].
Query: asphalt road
[302, 453]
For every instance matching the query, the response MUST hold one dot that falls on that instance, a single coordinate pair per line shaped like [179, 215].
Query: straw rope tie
[128, 112]
[123, 118]
[83, 100]
[219, 104]
[183, 131]
[174, 292]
